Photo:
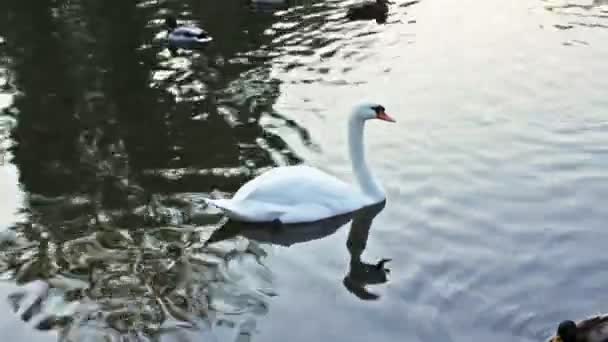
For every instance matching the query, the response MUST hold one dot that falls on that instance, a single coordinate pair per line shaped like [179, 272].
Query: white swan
[296, 194]
[185, 36]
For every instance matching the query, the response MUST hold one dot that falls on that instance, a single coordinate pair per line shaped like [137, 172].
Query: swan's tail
[227, 206]
[218, 203]
[247, 211]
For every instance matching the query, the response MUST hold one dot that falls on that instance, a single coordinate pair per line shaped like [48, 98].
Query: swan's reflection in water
[360, 273]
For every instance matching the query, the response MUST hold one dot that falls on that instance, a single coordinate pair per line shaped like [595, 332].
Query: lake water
[495, 172]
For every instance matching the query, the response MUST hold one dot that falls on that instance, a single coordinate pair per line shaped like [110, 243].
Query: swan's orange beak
[385, 117]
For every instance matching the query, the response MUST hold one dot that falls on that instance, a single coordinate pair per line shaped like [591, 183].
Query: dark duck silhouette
[594, 329]
[369, 10]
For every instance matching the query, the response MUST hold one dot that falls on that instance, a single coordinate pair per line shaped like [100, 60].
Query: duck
[301, 193]
[369, 10]
[185, 36]
[594, 329]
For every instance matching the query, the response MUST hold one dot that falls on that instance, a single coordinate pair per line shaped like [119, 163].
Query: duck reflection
[360, 274]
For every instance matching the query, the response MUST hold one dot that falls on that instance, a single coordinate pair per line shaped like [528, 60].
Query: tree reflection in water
[111, 131]
[115, 141]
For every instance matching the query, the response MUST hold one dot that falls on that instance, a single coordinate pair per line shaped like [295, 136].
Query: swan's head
[171, 23]
[369, 110]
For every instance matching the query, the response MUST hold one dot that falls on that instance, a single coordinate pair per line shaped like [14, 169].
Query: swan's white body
[188, 35]
[296, 194]
[292, 194]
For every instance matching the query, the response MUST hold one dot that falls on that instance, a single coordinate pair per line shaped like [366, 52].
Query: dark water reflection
[111, 131]
[116, 139]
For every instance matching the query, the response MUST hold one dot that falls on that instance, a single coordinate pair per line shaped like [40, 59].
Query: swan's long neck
[368, 183]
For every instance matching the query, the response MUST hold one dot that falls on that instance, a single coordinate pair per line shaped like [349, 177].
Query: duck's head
[370, 110]
[171, 23]
[566, 332]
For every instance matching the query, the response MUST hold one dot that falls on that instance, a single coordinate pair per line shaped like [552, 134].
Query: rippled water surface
[496, 170]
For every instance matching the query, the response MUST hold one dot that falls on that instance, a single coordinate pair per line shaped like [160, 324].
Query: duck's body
[297, 194]
[594, 329]
[186, 36]
[189, 33]
[368, 10]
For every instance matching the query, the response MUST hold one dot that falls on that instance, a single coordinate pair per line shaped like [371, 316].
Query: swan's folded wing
[248, 210]
[296, 185]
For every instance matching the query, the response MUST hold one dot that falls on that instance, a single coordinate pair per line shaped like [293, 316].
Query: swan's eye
[378, 109]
